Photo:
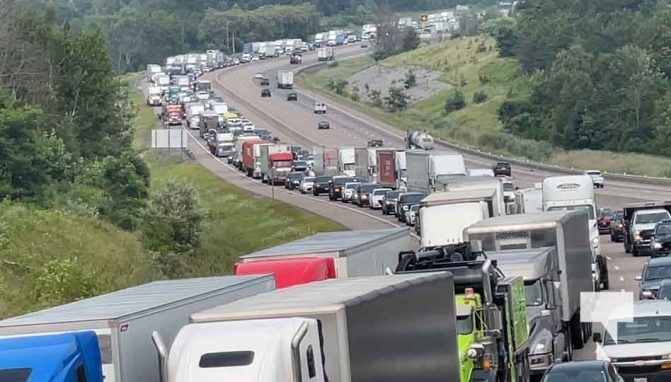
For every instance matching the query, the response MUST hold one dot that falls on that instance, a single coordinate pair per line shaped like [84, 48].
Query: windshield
[642, 330]
[296, 175]
[594, 173]
[582, 207]
[350, 186]
[464, 325]
[508, 187]
[367, 187]
[412, 198]
[282, 163]
[575, 374]
[300, 164]
[342, 181]
[664, 292]
[380, 192]
[663, 230]
[606, 213]
[533, 293]
[309, 179]
[414, 207]
[15, 375]
[392, 194]
[322, 179]
[658, 272]
[651, 217]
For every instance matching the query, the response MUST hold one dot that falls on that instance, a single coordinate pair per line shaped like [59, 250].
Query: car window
[575, 375]
[323, 179]
[380, 192]
[663, 230]
[664, 292]
[657, 272]
[606, 213]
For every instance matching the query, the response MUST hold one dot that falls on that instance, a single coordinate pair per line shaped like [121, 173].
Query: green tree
[396, 99]
[455, 102]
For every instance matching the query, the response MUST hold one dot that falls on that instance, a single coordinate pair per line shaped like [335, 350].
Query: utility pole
[272, 182]
[233, 42]
[227, 38]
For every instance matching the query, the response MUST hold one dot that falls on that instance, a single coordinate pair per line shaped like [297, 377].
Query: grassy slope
[236, 223]
[463, 64]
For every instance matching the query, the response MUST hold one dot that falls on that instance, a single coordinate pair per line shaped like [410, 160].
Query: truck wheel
[576, 332]
[627, 247]
[634, 252]
[569, 347]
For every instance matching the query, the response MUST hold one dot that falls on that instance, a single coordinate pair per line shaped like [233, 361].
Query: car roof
[659, 261]
[578, 365]
[650, 211]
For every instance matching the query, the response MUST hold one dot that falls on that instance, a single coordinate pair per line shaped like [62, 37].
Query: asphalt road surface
[295, 122]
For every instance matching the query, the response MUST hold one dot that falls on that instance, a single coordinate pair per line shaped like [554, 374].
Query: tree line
[600, 73]
[139, 32]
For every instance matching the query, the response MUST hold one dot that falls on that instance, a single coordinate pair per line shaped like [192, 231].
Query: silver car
[411, 215]
[349, 192]
[306, 184]
[377, 198]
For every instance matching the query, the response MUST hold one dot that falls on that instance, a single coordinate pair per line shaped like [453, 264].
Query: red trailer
[289, 272]
[386, 167]
[248, 161]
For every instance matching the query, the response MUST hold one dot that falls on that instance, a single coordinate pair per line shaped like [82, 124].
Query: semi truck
[51, 358]
[123, 320]
[391, 168]
[237, 159]
[192, 112]
[346, 254]
[563, 230]
[365, 163]
[222, 145]
[347, 161]
[381, 328]
[492, 328]
[438, 225]
[424, 169]
[249, 157]
[419, 140]
[209, 120]
[549, 340]
[573, 192]
[285, 79]
[275, 161]
[475, 183]
[529, 200]
[325, 54]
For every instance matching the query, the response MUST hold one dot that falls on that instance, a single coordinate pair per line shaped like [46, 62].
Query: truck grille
[647, 234]
[634, 359]
[512, 236]
[638, 370]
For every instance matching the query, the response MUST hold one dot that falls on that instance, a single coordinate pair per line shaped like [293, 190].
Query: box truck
[285, 79]
[425, 168]
[123, 320]
[383, 328]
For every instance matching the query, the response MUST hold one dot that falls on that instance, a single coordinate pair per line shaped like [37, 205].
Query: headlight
[539, 348]
[657, 245]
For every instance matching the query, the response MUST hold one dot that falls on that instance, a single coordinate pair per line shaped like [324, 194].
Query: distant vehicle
[319, 107]
[265, 92]
[654, 271]
[295, 59]
[617, 227]
[661, 239]
[294, 180]
[502, 169]
[603, 219]
[321, 184]
[375, 143]
[419, 140]
[597, 177]
[364, 44]
[323, 125]
[306, 184]
[265, 82]
[293, 96]
[258, 76]
[601, 371]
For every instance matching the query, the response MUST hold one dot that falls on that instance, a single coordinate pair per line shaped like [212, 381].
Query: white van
[319, 107]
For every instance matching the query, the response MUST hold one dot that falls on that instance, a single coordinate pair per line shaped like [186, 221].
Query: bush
[410, 79]
[396, 100]
[455, 102]
[479, 97]
[64, 280]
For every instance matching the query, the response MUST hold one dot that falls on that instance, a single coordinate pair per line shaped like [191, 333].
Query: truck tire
[634, 252]
[627, 245]
[576, 332]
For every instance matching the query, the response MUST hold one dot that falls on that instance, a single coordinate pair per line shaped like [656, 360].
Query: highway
[295, 122]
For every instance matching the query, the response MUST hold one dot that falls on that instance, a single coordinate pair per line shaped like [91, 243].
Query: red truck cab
[292, 271]
[282, 163]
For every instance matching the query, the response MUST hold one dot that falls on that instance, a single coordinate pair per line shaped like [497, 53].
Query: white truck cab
[319, 107]
[573, 192]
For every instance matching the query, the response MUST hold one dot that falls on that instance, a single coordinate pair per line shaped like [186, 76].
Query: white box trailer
[396, 328]
[476, 183]
[528, 200]
[347, 161]
[356, 253]
[125, 319]
[424, 168]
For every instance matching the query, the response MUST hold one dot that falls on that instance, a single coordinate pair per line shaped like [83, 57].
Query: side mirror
[638, 278]
[596, 337]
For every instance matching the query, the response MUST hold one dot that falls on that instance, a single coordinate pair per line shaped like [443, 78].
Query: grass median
[472, 65]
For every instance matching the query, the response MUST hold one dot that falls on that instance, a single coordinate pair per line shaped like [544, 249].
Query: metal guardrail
[528, 163]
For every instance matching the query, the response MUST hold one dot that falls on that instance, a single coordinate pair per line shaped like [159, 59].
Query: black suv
[337, 184]
[323, 125]
[661, 239]
[502, 169]
[405, 200]
[375, 143]
[265, 92]
[364, 193]
[294, 180]
[389, 202]
[265, 82]
[292, 97]
[321, 184]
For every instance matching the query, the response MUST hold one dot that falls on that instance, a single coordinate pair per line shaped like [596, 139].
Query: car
[377, 198]
[306, 184]
[349, 193]
[664, 291]
[502, 169]
[265, 92]
[319, 107]
[508, 191]
[375, 143]
[323, 125]
[300, 165]
[364, 45]
[604, 217]
[582, 371]
[617, 227]
[661, 239]
[389, 202]
[265, 82]
[597, 177]
[294, 180]
[321, 184]
[293, 96]
[363, 193]
[248, 127]
[336, 186]
[405, 200]
[254, 58]
[654, 271]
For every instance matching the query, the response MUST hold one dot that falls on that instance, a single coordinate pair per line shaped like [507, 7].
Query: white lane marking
[616, 267]
[621, 278]
[609, 258]
[282, 189]
[623, 290]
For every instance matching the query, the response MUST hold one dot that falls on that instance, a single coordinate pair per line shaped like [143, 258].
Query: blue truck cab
[64, 357]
